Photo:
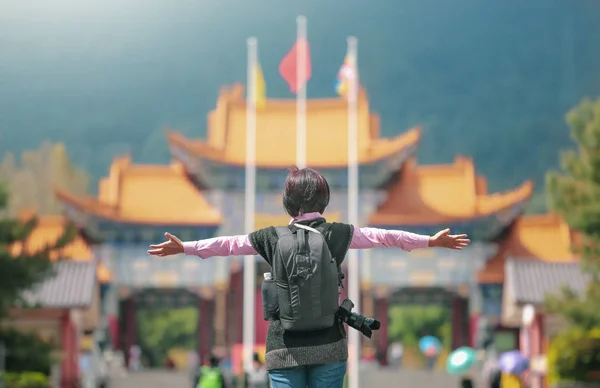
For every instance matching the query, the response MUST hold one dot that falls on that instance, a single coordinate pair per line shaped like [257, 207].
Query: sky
[106, 76]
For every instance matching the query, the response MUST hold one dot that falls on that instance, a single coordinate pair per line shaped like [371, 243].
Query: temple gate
[201, 194]
[131, 212]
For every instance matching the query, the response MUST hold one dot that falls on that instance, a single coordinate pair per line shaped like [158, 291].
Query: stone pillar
[475, 310]
[368, 304]
[474, 330]
[240, 306]
[121, 326]
[460, 322]
[456, 322]
[260, 325]
[220, 319]
[366, 276]
[111, 306]
[381, 306]
[537, 347]
[130, 326]
[475, 299]
[220, 301]
[69, 365]
[368, 310]
[200, 336]
[235, 308]
[206, 310]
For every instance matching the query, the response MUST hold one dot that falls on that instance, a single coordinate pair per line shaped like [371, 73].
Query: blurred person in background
[491, 373]
[431, 356]
[495, 379]
[211, 375]
[511, 381]
[135, 358]
[169, 363]
[395, 353]
[193, 363]
[258, 377]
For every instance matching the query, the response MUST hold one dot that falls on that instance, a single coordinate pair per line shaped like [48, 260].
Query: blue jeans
[312, 376]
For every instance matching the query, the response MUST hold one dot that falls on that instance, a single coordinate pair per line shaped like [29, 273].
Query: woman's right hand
[173, 246]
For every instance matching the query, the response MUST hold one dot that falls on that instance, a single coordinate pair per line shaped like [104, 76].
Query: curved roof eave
[203, 150]
[93, 207]
[520, 194]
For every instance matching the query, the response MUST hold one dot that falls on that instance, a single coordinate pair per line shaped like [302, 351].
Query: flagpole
[353, 267]
[301, 93]
[250, 204]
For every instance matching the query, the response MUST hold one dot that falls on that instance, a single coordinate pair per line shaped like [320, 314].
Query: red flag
[288, 66]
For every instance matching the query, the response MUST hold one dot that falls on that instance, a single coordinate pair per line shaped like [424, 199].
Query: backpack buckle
[303, 267]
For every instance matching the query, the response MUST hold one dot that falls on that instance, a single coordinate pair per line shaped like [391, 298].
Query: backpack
[307, 279]
[210, 378]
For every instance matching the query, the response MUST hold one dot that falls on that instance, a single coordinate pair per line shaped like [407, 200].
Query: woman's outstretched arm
[365, 238]
[217, 246]
[220, 246]
[362, 238]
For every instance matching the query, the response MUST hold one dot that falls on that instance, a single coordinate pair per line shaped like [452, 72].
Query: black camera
[357, 321]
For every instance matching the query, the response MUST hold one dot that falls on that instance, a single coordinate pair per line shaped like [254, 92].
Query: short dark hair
[305, 191]
[214, 361]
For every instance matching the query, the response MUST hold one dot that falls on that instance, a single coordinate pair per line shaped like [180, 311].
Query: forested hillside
[488, 79]
[32, 178]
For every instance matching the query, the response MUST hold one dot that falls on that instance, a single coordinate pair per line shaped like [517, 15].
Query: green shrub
[34, 380]
[26, 352]
[574, 355]
[11, 380]
[26, 380]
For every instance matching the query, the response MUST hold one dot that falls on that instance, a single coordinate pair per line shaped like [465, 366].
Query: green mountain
[487, 79]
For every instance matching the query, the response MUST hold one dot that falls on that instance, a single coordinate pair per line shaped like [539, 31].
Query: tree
[20, 269]
[574, 192]
[32, 181]
[573, 356]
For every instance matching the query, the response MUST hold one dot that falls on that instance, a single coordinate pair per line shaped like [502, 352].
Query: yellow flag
[260, 90]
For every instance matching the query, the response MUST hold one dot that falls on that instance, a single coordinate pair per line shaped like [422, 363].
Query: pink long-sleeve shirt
[362, 238]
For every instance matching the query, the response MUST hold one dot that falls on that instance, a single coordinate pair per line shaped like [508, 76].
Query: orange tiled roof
[326, 122]
[147, 194]
[265, 220]
[441, 194]
[545, 237]
[104, 274]
[47, 232]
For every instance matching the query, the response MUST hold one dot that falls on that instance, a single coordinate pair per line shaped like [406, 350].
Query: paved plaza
[369, 378]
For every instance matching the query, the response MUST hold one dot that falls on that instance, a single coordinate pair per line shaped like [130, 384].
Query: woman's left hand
[443, 239]
[173, 246]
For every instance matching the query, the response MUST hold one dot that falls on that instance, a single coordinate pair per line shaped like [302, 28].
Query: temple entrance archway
[179, 287]
[415, 312]
[166, 322]
[406, 284]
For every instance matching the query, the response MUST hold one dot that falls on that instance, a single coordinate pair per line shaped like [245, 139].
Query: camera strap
[340, 324]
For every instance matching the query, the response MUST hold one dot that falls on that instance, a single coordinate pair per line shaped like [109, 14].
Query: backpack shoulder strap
[307, 228]
[324, 230]
[282, 231]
